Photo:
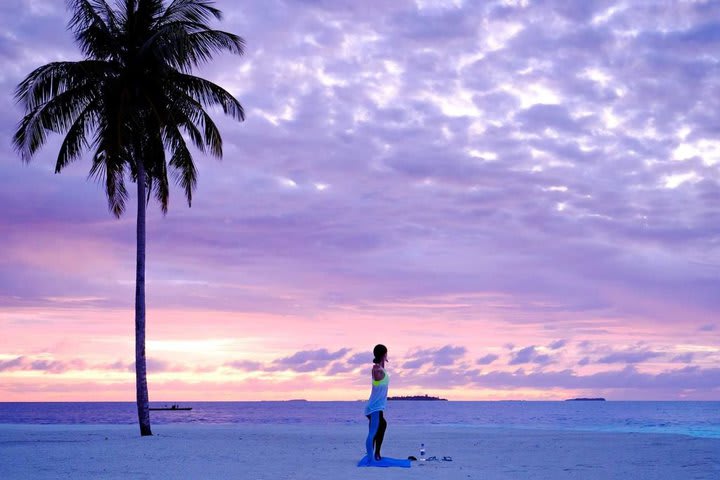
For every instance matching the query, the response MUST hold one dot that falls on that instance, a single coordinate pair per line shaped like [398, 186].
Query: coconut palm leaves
[136, 77]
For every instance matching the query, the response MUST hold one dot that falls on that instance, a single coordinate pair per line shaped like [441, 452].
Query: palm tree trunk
[143, 402]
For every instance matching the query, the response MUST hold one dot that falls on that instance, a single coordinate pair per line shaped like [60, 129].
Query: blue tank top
[378, 395]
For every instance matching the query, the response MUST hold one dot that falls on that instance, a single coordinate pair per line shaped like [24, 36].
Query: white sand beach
[276, 452]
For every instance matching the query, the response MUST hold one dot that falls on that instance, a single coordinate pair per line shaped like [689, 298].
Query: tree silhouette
[132, 102]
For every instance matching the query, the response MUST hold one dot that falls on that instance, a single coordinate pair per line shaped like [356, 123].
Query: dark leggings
[375, 434]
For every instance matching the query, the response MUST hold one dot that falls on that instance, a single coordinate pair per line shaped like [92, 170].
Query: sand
[277, 452]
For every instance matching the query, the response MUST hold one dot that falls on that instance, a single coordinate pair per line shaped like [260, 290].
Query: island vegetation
[418, 397]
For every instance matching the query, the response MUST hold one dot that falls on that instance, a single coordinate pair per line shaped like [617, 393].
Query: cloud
[308, 360]
[710, 327]
[359, 359]
[340, 367]
[487, 359]
[436, 357]
[42, 365]
[156, 365]
[628, 382]
[684, 358]
[55, 366]
[246, 365]
[532, 83]
[118, 365]
[628, 377]
[557, 344]
[11, 364]
[629, 356]
[529, 355]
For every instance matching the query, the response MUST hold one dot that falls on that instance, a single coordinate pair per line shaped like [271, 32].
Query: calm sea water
[700, 419]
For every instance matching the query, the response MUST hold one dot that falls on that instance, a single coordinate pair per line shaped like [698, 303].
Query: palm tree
[132, 102]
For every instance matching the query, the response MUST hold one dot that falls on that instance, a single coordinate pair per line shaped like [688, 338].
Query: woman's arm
[378, 373]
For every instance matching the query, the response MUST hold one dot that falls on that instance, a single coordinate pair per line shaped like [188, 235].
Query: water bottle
[422, 452]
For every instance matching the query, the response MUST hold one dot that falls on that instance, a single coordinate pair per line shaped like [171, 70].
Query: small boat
[171, 408]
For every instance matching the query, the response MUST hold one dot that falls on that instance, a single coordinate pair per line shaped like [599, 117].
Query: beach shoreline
[278, 451]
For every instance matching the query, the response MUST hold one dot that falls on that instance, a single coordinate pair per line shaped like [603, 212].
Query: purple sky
[518, 197]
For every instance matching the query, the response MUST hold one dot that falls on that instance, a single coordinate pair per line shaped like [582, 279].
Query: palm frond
[195, 11]
[184, 171]
[95, 27]
[196, 48]
[76, 138]
[112, 173]
[186, 118]
[162, 189]
[112, 140]
[111, 18]
[184, 45]
[188, 113]
[115, 190]
[147, 12]
[57, 115]
[48, 81]
[152, 152]
[28, 138]
[208, 94]
[213, 140]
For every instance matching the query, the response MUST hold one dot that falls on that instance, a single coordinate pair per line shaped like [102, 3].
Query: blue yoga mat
[385, 462]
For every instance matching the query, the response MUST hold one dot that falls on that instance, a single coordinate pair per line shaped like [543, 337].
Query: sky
[520, 198]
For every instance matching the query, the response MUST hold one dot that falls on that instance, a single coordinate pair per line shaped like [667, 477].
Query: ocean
[698, 419]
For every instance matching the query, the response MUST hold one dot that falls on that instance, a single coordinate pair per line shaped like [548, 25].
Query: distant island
[598, 399]
[419, 397]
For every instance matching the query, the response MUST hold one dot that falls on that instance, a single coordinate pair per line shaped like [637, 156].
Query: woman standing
[376, 404]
